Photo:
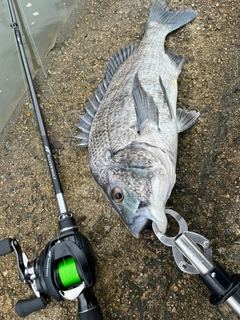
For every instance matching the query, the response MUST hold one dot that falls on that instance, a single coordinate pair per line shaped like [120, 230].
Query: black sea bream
[131, 125]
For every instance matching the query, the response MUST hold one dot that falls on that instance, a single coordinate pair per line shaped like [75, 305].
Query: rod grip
[88, 306]
[24, 307]
[92, 314]
[5, 246]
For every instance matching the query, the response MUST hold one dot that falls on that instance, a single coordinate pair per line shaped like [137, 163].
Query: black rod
[46, 145]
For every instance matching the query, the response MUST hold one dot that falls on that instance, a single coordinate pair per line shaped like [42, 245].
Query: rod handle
[5, 246]
[92, 314]
[88, 307]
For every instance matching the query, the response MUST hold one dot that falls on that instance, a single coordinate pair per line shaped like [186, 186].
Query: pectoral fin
[146, 109]
[165, 97]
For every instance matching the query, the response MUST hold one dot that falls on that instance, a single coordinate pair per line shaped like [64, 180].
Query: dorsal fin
[86, 120]
[119, 57]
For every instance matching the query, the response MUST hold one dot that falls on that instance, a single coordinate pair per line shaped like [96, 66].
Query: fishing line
[68, 273]
[42, 67]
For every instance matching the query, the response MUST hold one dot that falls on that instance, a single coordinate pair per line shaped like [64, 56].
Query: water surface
[40, 22]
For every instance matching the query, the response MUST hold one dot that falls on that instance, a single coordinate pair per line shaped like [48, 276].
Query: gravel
[136, 278]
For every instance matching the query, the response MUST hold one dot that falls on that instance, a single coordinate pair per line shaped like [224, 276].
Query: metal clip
[169, 241]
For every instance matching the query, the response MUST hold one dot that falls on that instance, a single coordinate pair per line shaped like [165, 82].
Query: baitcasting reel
[65, 270]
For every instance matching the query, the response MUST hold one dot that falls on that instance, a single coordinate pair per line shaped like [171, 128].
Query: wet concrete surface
[136, 278]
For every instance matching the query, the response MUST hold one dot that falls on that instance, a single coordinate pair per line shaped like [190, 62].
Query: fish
[131, 123]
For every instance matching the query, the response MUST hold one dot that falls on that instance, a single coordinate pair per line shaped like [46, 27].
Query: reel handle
[24, 307]
[5, 246]
[88, 306]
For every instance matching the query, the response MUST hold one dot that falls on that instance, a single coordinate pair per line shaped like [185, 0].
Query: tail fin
[161, 14]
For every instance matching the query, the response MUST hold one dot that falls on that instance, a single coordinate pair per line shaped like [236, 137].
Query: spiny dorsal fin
[86, 120]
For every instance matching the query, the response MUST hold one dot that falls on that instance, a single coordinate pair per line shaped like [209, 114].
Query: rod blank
[46, 145]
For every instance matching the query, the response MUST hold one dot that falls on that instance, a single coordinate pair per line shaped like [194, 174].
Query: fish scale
[158, 63]
[132, 129]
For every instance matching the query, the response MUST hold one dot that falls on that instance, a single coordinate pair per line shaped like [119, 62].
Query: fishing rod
[65, 269]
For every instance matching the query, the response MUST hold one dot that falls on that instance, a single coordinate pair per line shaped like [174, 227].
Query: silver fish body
[131, 126]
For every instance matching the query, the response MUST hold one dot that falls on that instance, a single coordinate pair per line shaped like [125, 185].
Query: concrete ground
[136, 278]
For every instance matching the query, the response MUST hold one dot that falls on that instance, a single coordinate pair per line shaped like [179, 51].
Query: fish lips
[140, 221]
[143, 215]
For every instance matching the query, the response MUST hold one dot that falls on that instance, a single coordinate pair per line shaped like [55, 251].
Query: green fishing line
[67, 271]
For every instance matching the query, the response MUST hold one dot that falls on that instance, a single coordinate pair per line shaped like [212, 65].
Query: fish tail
[161, 14]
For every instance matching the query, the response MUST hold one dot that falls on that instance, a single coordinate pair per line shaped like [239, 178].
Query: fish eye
[117, 195]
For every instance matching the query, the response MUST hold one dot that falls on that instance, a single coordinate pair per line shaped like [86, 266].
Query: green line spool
[67, 271]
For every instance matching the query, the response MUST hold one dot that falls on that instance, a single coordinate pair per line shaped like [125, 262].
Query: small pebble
[107, 228]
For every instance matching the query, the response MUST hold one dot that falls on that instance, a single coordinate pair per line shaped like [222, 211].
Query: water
[44, 21]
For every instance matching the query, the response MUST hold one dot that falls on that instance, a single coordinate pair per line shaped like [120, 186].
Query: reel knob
[24, 307]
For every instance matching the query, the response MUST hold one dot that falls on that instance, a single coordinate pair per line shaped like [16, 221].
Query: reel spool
[68, 273]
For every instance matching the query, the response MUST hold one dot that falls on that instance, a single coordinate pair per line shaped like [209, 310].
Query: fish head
[138, 190]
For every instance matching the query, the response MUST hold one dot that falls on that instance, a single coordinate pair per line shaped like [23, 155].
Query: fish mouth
[140, 220]
[145, 213]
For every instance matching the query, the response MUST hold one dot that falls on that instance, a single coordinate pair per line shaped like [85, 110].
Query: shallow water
[42, 23]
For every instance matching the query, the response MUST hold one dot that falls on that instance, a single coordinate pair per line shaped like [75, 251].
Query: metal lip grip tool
[192, 253]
